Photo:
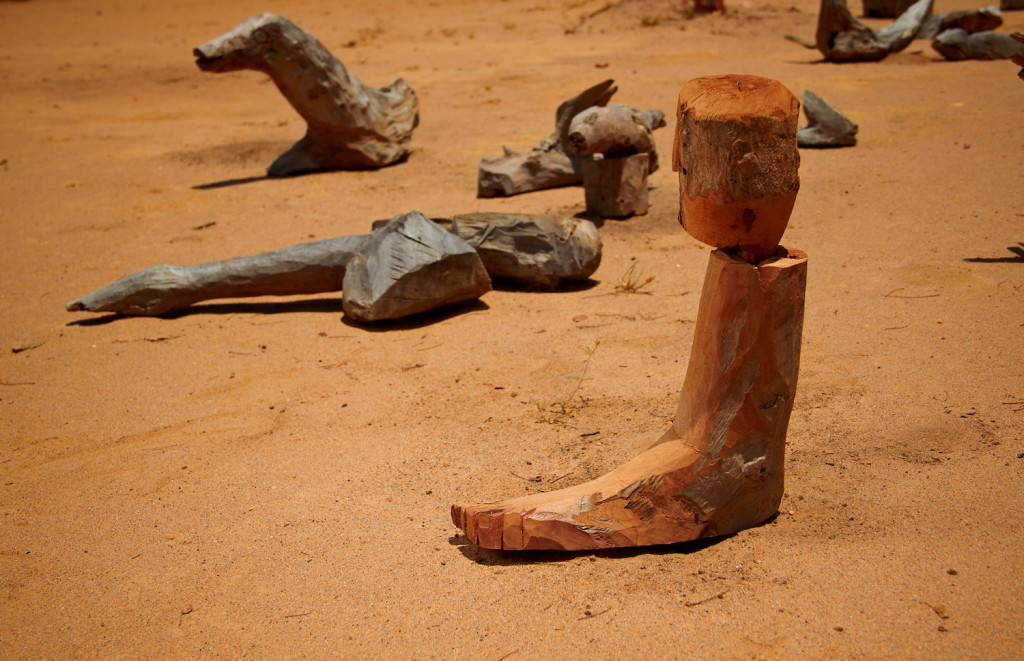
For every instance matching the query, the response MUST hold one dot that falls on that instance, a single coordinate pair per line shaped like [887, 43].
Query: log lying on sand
[842, 37]
[408, 266]
[548, 166]
[350, 125]
[956, 44]
[978, 20]
[826, 126]
[308, 268]
[535, 251]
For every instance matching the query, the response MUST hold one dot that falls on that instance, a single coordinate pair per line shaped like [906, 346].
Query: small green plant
[558, 412]
[632, 281]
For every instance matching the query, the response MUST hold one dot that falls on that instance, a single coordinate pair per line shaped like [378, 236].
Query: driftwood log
[977, 20]
[537, 252]
[719, 467]
[408, 266]
[548, 166]
[957, 44]
[350, 125]
[842, 37]
[308, 268]
[826, 126]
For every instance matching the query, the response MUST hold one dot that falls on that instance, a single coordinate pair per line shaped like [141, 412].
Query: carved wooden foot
[719, 469]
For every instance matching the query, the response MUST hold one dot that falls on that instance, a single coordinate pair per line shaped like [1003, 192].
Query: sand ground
[262, 478]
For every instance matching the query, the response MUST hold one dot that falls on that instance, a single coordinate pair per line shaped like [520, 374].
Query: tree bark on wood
[616, 187]
[307, 268]
[736, 154]
[548, 166]
[719, 468]
[826, 126]
[841, 37]
[350, 125]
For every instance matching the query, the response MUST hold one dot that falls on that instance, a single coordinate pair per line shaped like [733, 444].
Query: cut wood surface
[408, 266]
[719, 468]
[736, 154]
[551, 164]
[350, 125]
[307, 268]
[842, 37]
[826, 126]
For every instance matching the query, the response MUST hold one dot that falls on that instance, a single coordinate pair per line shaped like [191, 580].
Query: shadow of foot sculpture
[351, 126]
[719, 468]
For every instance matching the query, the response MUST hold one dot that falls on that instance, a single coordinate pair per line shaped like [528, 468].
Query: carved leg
[719, 469]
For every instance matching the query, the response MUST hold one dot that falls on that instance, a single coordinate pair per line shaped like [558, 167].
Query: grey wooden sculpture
[977, 20]
[826, 126]
[957, 44]
[842, 37]
[549, 165]
[350, 125]
[1019, 59]
[308, 268]
[408, 266]
[533, 251]
[540, 252]
[621, 139]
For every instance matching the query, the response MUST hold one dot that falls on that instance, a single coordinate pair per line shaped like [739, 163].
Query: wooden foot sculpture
[548, 166]
[957, 44]
[719, 468]
[842, 37]
[826, 126]
[350, 125]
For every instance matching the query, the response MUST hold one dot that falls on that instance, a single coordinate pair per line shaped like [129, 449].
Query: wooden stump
[616, 187]
[736, 154]
[885, 8]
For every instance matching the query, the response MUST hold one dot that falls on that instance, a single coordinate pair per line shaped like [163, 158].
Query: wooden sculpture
[350, 125]
[1018, 59]
[548, 166]
[826, 126]
[719, 468]
[957, 44]
[842, 37]
[970, 21]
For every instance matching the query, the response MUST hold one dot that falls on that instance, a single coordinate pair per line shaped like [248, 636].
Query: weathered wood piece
[539, 252]
[307, 268]
[885, 8]
[977, 20]
[408, 266]
[956, 44]
[708, 6]
[842, 37]
[1010, 5]
[350, 125]
[548, 166]
[719, 468]
[1019, 59]
[616, 130]
[736, 154]
[616, 187]
[826, 126]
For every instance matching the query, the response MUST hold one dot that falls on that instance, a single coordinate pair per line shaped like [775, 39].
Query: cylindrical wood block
[616, 187]
[736, 154]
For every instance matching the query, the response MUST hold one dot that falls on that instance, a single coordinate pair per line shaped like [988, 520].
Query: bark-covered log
[616, 187]
[616, 130]
[307, 268]
[826, 126]
[548, 166]
[350, 125]
[408, 266]
[956, 44]
[977, 20]
[536, 251]
[841, 37]
[737, 158]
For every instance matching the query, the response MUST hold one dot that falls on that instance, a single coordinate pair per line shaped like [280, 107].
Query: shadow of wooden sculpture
[350, 125]
[842, 37]
[620, 139]
[826, 126]
[549, 165]
[535, 252]
[719, 467]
